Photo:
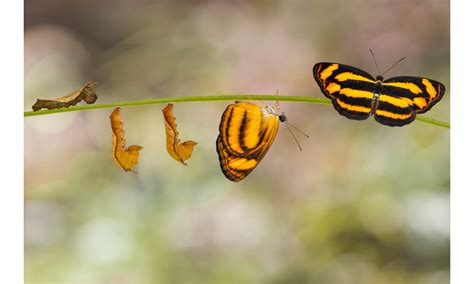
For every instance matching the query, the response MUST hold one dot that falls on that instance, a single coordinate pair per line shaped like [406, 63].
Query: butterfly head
[282, 117]
[379, 78]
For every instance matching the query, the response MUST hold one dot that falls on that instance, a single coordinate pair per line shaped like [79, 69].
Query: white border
[11, 119]
[462, 142]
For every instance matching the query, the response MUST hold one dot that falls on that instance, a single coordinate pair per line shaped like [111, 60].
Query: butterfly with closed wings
[246, 132]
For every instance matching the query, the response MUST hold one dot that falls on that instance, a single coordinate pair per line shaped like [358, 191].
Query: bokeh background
[363, 203]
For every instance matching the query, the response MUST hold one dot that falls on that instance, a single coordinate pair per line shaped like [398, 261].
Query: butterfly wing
[392, 110]
[421, 93]
[350, 89]
[402, 98]
[245, 135]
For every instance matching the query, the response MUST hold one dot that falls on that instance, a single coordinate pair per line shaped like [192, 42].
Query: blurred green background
[363, 203]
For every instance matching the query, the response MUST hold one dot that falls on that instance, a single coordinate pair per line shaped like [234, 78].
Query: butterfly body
[355, 94]
[246, 132]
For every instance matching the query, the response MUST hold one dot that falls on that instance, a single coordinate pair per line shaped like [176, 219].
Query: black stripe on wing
[423, 92]
[325, 73]
[224, 158]
[353, 108]
[394, 112]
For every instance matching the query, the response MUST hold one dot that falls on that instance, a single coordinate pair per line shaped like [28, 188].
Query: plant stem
[228, 97]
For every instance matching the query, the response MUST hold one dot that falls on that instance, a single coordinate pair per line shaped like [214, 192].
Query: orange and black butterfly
[355, 94]
[246, 132]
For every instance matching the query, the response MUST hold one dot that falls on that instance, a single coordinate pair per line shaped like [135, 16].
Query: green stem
[229, 97]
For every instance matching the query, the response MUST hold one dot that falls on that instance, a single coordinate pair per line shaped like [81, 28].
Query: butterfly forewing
[246, 133]
[332, 77]
[355, 94]
[349, 88]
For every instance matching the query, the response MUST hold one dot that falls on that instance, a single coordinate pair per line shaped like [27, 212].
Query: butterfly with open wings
[355, 94]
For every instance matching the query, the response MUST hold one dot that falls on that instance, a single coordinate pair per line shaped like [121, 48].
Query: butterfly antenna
[375, 61]
[277, 104]
[401, 59]
[300, 131]
[294, 137]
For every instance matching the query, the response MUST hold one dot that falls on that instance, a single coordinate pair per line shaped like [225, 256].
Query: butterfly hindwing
[224, 159]
[246, 132]
[393, 111]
